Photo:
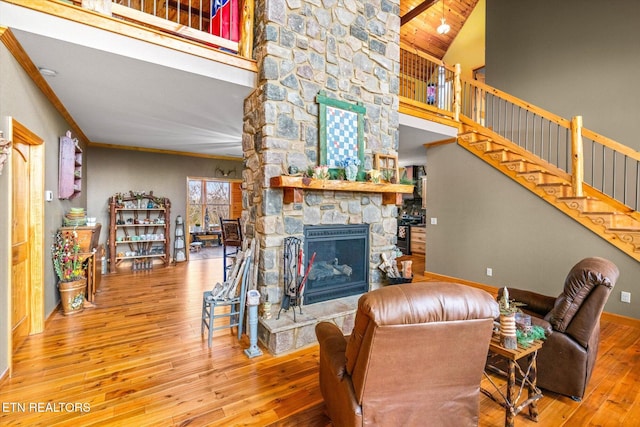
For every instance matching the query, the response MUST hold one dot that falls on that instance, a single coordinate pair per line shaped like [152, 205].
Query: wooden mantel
[294, 186]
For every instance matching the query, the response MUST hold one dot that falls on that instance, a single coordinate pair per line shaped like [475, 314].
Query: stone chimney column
[350, 50]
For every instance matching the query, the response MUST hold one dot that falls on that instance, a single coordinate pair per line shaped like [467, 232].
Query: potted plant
[68, 267]
[350, 167]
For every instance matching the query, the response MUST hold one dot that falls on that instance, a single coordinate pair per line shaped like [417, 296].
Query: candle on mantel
[505, 295]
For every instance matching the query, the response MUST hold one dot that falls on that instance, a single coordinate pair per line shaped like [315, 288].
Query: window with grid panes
[208, 200]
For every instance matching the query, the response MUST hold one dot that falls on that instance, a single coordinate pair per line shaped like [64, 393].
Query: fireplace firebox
[341, 266]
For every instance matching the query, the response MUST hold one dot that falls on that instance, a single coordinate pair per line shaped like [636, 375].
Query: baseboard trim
[4, 376]
[435, 277]
[620, 319]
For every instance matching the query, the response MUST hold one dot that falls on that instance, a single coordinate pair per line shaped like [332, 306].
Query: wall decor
[387, 164]
[5, 146]
[341, 131]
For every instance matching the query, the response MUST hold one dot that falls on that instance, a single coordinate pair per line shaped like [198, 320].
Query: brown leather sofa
[415, 357]
[572, 323]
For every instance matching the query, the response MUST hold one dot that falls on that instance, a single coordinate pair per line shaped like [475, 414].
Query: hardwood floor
[137, 358]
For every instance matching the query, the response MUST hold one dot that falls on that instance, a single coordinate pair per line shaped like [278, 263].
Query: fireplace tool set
[294, 275]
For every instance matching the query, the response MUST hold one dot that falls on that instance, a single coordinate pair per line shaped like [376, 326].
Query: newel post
[577, 156]
[245, 45]
[457, 87]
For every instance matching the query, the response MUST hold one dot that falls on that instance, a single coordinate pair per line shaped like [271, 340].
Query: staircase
[605, 216]
[590, 177]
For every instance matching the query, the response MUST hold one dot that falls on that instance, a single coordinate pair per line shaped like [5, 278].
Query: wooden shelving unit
[69, 168]
[139, 231]
[294, 186]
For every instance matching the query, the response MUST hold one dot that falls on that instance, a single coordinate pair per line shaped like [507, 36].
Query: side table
[514, 392]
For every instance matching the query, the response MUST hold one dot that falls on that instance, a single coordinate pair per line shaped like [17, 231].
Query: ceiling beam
[426, 4]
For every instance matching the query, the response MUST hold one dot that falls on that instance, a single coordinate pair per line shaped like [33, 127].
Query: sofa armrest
[333, 346]
[535, 303]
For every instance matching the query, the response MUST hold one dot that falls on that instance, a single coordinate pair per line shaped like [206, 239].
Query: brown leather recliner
[572, 322]
[415, 357]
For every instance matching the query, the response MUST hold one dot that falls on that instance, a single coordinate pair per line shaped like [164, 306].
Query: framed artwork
[341, 132]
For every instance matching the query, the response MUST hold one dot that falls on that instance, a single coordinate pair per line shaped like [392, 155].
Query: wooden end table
[514, 392]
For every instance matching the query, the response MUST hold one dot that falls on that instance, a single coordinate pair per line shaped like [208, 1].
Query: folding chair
[228, 300]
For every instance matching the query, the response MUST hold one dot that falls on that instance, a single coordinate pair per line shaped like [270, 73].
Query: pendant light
[443, 28]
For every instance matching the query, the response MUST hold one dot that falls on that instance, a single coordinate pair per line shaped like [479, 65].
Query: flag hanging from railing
[225, 19]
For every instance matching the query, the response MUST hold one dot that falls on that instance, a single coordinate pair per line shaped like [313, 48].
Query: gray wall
[571, 57]
[568, 57]
[106, 171]
[22, 100]
[110, 171]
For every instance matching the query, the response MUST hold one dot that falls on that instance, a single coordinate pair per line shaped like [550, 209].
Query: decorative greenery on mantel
[292, 184]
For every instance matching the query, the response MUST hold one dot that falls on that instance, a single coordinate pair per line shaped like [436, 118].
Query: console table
[514, 392]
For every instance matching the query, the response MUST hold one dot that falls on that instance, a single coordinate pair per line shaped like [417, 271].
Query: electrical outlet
[625, 297]
[489, 271]
[434, 221]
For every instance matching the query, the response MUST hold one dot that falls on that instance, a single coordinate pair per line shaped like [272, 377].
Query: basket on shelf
[399, 280]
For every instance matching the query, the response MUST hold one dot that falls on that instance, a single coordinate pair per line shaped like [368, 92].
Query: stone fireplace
[353, 212]
[350, 52]
[341, 267]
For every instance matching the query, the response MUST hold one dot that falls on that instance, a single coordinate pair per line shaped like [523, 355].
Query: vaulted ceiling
[419, 20]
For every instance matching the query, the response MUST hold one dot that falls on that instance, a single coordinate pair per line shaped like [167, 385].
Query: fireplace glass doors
[341, 266]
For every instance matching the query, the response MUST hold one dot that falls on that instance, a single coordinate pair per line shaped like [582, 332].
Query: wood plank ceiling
[419, 20]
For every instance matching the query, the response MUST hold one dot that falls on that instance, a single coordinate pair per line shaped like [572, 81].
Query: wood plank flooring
[137, 359]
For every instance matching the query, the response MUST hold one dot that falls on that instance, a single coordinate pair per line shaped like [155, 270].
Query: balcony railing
[605, 165]
[229, 27]
[427, 80]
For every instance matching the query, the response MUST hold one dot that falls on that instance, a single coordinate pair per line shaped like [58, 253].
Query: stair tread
[538, 171]
[612, 213]
[500, 150]
[606, 213]
[588, 198]
[554, 184]
[625, 229]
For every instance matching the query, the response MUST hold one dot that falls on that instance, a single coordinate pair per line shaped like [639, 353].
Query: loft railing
[427, 80]
[603, 164]
[191, 19]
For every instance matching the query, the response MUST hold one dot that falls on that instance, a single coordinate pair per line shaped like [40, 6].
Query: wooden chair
[228, 300]
[231, 238]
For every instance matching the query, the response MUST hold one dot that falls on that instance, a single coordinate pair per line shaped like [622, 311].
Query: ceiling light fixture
[443, 28]
[47, 72]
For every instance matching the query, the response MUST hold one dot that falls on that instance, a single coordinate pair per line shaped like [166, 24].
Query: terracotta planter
[508, 337]
[72, 296]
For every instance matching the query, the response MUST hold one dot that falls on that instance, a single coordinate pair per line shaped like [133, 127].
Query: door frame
[19, 132]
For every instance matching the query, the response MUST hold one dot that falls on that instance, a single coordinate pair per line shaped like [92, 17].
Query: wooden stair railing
[591, 178]
[605, 216]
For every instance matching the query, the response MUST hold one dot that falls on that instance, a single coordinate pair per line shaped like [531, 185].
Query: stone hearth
[284, 335]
